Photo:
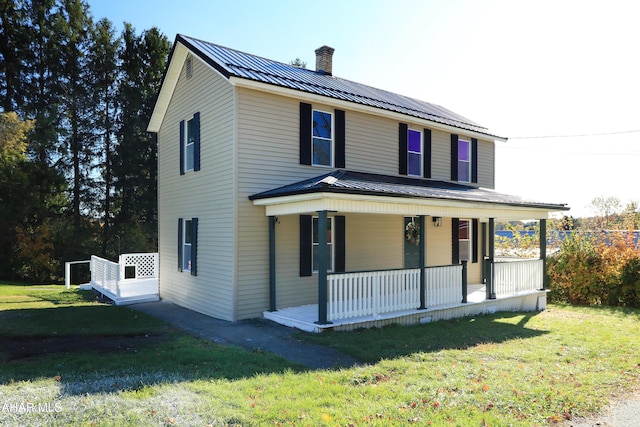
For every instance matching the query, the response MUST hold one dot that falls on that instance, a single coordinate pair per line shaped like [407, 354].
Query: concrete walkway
[257, 334]
[624, 412]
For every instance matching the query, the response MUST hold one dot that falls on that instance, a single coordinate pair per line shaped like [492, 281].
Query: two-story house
[321, 202]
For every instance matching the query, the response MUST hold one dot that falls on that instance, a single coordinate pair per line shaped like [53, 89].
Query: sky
[560, 79]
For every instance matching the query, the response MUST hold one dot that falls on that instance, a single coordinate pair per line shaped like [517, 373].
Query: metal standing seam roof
[349, 182]
[232, 62]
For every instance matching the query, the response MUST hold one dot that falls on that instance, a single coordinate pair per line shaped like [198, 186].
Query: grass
[503, 369]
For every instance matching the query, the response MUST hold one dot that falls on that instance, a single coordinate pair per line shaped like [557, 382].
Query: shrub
[596, 269]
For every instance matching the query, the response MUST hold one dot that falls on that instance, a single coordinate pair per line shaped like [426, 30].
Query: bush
[596, 269]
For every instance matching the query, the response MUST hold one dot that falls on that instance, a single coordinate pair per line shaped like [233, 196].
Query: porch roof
[349, 191]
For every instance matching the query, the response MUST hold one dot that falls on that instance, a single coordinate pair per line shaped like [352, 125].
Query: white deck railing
[443, 285]
[372, 293]
[105, 275]
[133, 279]
[516, 277]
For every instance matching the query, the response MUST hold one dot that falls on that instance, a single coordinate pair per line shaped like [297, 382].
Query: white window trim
[330, 245]
[468, 242]
[333, 139]
[184, 245]
[468, 162]
[421, 152]
[187, 144]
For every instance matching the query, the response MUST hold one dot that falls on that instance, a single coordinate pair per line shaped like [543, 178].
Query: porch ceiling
[357, 192]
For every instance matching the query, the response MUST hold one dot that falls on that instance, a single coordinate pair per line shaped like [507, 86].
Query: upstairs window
[464, 161]
[414, 152]
[322, 139]
[190, 144]
[414, 148]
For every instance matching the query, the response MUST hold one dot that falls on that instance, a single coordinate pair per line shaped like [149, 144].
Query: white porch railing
[372, 293]
[443, 285]
[105, 275]
[516, 277]
[133, 279]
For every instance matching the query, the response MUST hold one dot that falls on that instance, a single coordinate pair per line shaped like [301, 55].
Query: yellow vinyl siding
[206, 194]
[440, 155]
[438, 247]
[268, 157]
[374, 242]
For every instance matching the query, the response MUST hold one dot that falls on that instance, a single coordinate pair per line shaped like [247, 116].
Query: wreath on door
[412, 233]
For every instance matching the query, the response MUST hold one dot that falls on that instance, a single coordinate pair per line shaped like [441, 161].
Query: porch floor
[304, 317]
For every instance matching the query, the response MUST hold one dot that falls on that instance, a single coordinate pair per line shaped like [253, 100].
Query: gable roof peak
[232, 63]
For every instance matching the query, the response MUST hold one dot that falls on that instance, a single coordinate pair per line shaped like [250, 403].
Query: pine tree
[13, 36]
[103, 65]
[143, 59]
[74, 24]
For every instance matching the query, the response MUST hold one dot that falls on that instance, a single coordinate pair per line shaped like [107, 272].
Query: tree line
[77, 167]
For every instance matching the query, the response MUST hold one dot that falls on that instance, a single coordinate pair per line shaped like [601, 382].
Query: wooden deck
[304, 317]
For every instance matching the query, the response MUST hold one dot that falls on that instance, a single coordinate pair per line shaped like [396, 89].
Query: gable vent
[189, 67]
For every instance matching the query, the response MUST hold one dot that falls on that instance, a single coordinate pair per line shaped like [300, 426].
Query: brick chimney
[324, 60]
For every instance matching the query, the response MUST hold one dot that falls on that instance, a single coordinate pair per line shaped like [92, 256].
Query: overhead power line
[576, 135]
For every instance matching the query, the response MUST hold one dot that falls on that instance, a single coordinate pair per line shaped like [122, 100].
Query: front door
[411, 238]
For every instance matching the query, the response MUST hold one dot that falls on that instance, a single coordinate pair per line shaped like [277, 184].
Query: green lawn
[79, 362]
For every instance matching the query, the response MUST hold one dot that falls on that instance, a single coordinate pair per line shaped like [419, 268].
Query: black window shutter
[305, 245]
[474, 160]
[454, 157]
[196, 141]
[455, 241]
[182, 147]
[194, 246]
[426, 157]
[474, 239]
[402, 149]
[180, 242]
[340, 139]
[340, 246]
[305, 133]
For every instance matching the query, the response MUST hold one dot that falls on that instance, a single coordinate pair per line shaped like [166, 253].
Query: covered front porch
[423, 293]
[378, 298]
